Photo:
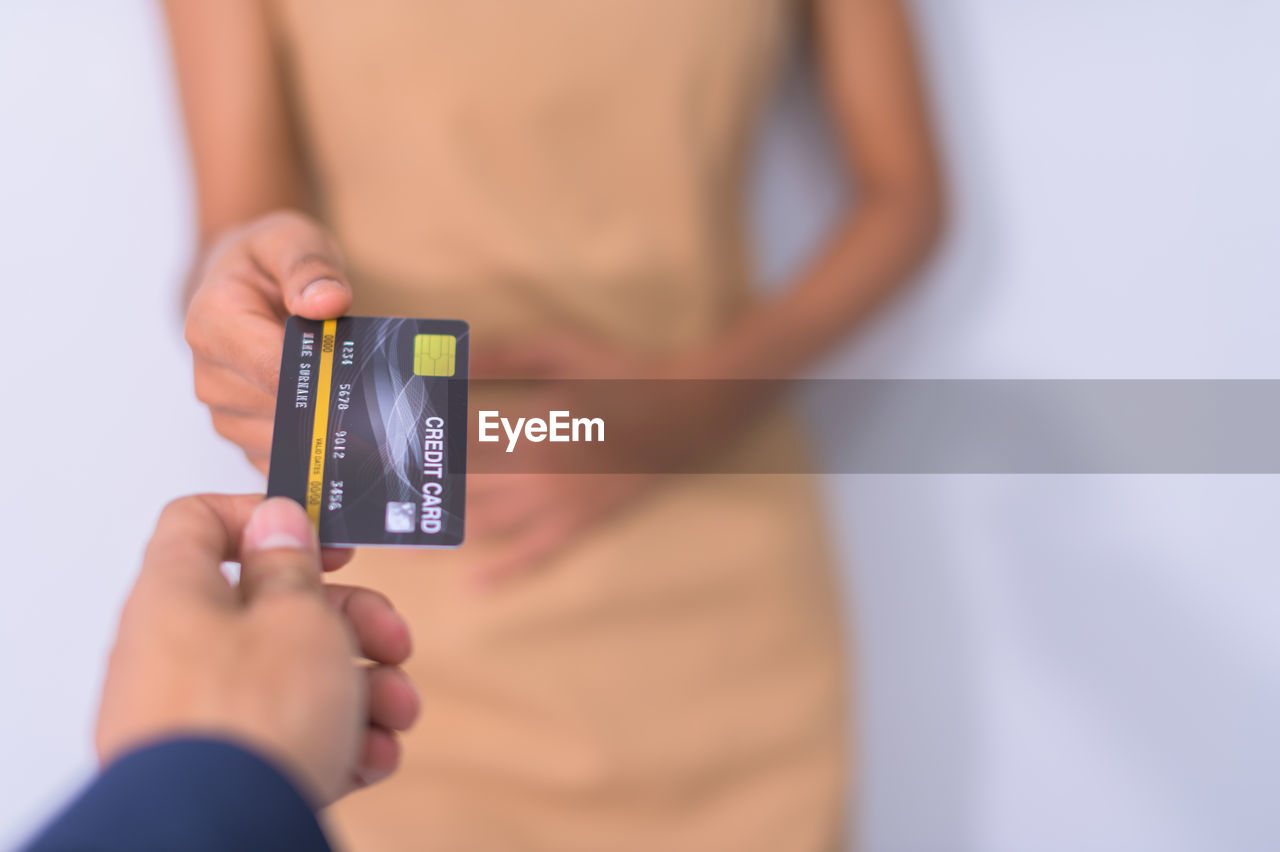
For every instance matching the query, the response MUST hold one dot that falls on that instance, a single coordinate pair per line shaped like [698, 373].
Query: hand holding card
[250, 281]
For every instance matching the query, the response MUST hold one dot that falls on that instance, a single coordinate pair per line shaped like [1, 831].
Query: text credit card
[371, 429]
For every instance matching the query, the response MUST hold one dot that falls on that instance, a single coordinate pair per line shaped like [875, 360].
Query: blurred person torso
[674, 680]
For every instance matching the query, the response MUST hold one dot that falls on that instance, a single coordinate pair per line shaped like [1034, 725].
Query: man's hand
[270, 663]
[251, 281]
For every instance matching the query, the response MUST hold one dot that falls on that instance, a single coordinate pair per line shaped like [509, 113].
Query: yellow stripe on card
[320, 425]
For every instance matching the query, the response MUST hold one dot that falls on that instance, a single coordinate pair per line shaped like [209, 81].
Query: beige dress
[674, 681]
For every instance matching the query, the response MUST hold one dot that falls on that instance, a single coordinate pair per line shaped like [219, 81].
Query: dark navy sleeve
[186, 795]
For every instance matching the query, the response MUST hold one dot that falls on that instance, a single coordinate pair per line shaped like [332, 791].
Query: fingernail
[279, 523]
[321, 287]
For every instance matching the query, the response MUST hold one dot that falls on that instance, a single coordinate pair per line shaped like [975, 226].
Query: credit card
[371, 429]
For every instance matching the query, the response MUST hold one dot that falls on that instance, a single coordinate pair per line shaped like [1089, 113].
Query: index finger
[231, 327]
[193, 537]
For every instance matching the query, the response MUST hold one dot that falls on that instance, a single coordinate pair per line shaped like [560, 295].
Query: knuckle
[203, 386]
[177, 508]
[201, 328]
[192, 332]
[223, 426]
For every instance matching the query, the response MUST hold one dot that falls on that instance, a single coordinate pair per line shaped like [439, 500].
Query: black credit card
[371, 429]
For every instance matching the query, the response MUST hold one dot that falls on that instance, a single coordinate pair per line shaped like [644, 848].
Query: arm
[874, 88]
[243, 147]
[259, 259]
[198, 795]
[876, 95]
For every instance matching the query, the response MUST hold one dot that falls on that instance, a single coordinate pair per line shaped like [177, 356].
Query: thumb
[280, 552]
[304, 259]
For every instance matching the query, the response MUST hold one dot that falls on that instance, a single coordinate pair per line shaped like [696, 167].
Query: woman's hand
[252, 279]
[658, 415]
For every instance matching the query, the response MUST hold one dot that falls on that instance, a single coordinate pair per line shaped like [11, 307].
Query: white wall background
[1045, 663]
